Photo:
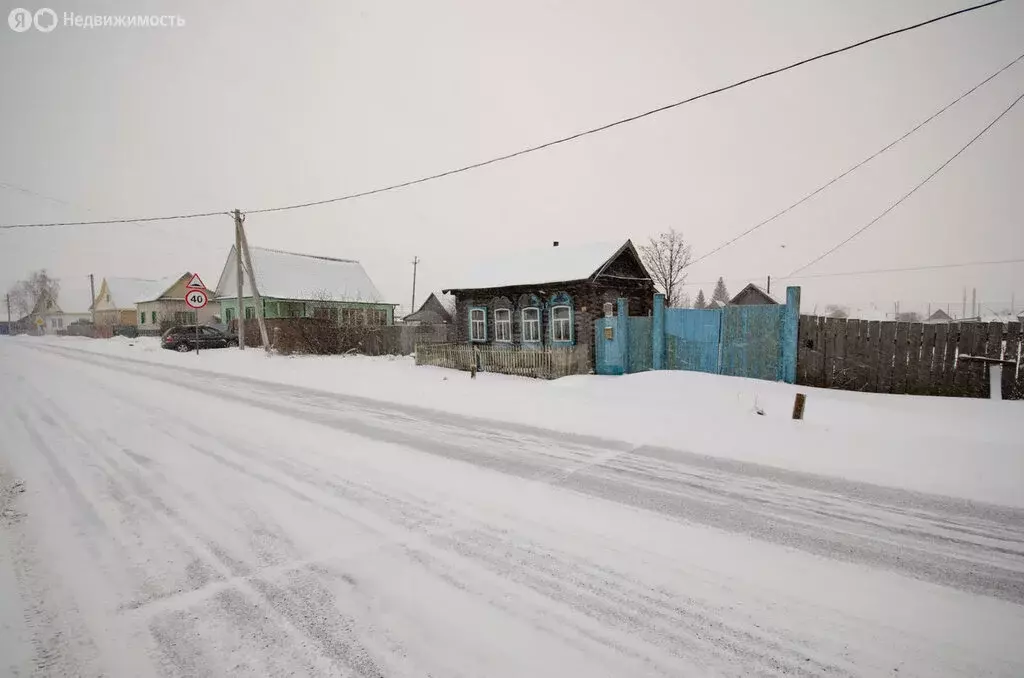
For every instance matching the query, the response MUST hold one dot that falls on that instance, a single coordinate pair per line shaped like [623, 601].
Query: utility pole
[238, 277]
[92, 291]
[963, 313]
[415, 263]
[974, 302]
[769, 290]
[9, 330]
[257, 299]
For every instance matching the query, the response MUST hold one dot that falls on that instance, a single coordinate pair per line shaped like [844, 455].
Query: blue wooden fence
[746, 341]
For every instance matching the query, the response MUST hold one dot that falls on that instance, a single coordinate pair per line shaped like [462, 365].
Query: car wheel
[183, 347]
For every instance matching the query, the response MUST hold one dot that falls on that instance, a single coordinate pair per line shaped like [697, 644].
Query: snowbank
[960, 447]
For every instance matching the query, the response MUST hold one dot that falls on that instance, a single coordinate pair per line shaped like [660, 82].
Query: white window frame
[532, 335]
[482, 320]
[556, 322]
[501, 325]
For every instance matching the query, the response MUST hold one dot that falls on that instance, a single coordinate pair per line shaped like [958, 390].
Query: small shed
[753, 295]
[436, 310]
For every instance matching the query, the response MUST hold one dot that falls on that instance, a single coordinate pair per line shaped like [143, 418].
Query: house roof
[158, 288]
[563, 263]
[437, 307]
[125, 292]
[756, 288]
[288, 275]
[939, 315]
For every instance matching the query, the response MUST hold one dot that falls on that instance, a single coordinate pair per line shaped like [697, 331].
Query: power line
[863, 162]
[873, 271]
[555, 142]
[928, 178]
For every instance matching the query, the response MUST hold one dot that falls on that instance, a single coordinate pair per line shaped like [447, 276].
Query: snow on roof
[125, 292]
[539, 266]
[288, 275]
[156, 288]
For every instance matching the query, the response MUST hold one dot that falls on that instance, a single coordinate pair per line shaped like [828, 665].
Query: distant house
[114, 304]
[304, 286]
[52, 316]
[939, 316]
[714, 304]
[752, 295]
[551, 296]
[434, 311]
[162, 305]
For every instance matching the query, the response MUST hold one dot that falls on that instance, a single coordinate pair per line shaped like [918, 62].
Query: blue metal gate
[692, 338]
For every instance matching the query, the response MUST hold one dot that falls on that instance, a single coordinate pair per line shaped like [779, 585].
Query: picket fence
[543, 363]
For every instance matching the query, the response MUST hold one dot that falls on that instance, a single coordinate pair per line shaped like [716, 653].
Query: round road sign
[196, 298]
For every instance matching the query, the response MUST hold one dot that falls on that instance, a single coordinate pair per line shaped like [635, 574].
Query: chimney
[554, 244]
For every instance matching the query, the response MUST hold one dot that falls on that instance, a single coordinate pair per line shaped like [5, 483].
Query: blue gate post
[790, 330]
[658, 333]
[622, 331]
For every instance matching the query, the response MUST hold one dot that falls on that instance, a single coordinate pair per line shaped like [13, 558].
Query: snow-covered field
[233, 514]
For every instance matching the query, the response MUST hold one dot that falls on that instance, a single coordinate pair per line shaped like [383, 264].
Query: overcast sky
[254, 104]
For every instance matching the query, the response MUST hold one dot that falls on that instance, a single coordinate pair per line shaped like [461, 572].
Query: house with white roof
[549, 297]
[115, 301]
[295, 285]
[51, 316]
[162, 305]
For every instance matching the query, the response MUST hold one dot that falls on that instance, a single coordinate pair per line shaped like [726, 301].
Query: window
[503, 325]
[152, 317]
[229, 314]
[250, 312]
[531, 324]
[142, 318]
[184, 317]
[478, 324]
[561, 324]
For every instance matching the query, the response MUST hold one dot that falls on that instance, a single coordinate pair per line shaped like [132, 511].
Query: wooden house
[549, 297]
[295, 285]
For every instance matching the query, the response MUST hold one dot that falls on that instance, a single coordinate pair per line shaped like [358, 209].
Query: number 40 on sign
[196, 299]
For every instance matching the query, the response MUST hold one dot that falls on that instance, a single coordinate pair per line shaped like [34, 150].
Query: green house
[303, 286]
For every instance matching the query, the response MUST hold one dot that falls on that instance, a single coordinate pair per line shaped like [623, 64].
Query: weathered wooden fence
[912, 358]
[544, 363]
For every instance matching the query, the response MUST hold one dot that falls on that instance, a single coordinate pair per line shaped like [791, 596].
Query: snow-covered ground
[961, 447]
[233, 514]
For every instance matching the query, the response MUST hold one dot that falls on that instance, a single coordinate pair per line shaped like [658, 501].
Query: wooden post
[257, 299]
[798, 406]
[238, 277]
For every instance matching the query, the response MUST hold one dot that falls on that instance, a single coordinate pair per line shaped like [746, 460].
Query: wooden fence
[543, 363]
[911, 358]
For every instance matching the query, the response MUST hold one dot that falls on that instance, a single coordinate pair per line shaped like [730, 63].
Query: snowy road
[178, 522]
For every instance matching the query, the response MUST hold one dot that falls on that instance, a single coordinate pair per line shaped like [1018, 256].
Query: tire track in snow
[761, 502]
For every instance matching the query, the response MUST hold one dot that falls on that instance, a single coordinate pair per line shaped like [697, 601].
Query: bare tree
[666, 258]
[28, 294]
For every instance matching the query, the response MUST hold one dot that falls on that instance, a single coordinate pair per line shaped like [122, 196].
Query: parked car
[184, 338]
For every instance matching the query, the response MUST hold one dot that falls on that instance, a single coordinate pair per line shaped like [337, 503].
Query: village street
[179, 522]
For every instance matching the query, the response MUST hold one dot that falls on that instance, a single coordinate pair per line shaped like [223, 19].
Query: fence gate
[692, 338]
[751, 342]
[609, 347]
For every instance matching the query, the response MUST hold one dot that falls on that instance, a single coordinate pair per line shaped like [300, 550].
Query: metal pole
[238, 276]
[769, 290]
[10, 330]
[415, 262]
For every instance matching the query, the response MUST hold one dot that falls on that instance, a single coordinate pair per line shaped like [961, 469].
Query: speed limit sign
[196, 299]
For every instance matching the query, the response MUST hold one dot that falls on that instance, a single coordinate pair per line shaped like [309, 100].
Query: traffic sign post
[196, 298]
